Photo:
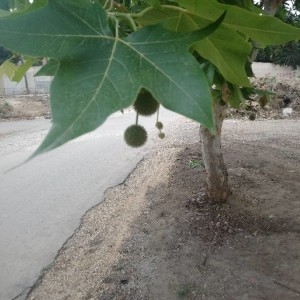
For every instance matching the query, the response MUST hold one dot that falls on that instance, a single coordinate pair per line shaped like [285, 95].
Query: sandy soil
[24, 107]
[155, 236]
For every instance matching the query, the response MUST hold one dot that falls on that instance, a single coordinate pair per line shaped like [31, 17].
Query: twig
[285, 286]
[23, 292]
[209, 249]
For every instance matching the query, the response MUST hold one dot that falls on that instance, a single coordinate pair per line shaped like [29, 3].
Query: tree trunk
[25, 78]
[217, 175]
[271, 6]
[26, 84]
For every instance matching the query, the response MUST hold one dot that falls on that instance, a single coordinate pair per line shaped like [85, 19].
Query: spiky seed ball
[159, 125]
[145, 104]
[135, 136]
[252, 116]
[161, 135]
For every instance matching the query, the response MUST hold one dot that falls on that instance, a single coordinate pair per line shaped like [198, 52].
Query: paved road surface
[42, 202]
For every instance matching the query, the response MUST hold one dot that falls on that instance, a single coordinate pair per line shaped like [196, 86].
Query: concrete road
[42, 201]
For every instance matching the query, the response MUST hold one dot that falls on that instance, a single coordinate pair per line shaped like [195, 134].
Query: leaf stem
[111, 7]
[137, 119]
[177, 8]
[141, 14]
[131, 22]
[117, 28]
[106, 2]
[157, 114]
[119, 14]
[126, 16]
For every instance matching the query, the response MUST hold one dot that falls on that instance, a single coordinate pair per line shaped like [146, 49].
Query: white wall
[271, 70]
[41, 84]
[36, 85]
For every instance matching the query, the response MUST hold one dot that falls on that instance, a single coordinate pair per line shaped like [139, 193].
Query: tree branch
[271, 6]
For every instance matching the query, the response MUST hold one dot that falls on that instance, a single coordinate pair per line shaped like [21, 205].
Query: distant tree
[287, 54]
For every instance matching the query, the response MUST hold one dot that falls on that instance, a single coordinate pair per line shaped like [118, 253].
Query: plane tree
[190, 56]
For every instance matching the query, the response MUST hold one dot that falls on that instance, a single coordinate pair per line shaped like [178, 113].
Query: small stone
[286, 112]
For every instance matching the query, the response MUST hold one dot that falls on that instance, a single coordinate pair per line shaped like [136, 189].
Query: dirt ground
[156, 237]
[287, 95]
[28, 107]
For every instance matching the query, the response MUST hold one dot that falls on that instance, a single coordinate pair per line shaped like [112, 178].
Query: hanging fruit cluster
[145, 105]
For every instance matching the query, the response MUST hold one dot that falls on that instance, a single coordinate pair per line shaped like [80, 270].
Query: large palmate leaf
[263, 29]
[228, 47]
[49, 69]
[100, 73]
[4, 7]
[19, 4]
[225, 48]
[4, 4]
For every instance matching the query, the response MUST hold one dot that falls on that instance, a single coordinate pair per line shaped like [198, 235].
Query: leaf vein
[70, 127]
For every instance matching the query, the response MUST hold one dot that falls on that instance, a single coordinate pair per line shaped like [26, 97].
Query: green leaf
[8, 68]
[209, 70]
[237, 97]
[229, 52]
[265, 30]
[19, 4]
[225, 48]
[100, 73]
[248, 5]
[263, 92]
[49, 69]
[21, 70]
[3, 13]
[4, 4]
[248, 92]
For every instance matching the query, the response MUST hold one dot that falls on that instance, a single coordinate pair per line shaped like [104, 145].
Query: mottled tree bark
[217, 175]
[271, 6]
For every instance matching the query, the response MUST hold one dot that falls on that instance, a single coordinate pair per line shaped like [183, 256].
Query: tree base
[217, 176]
